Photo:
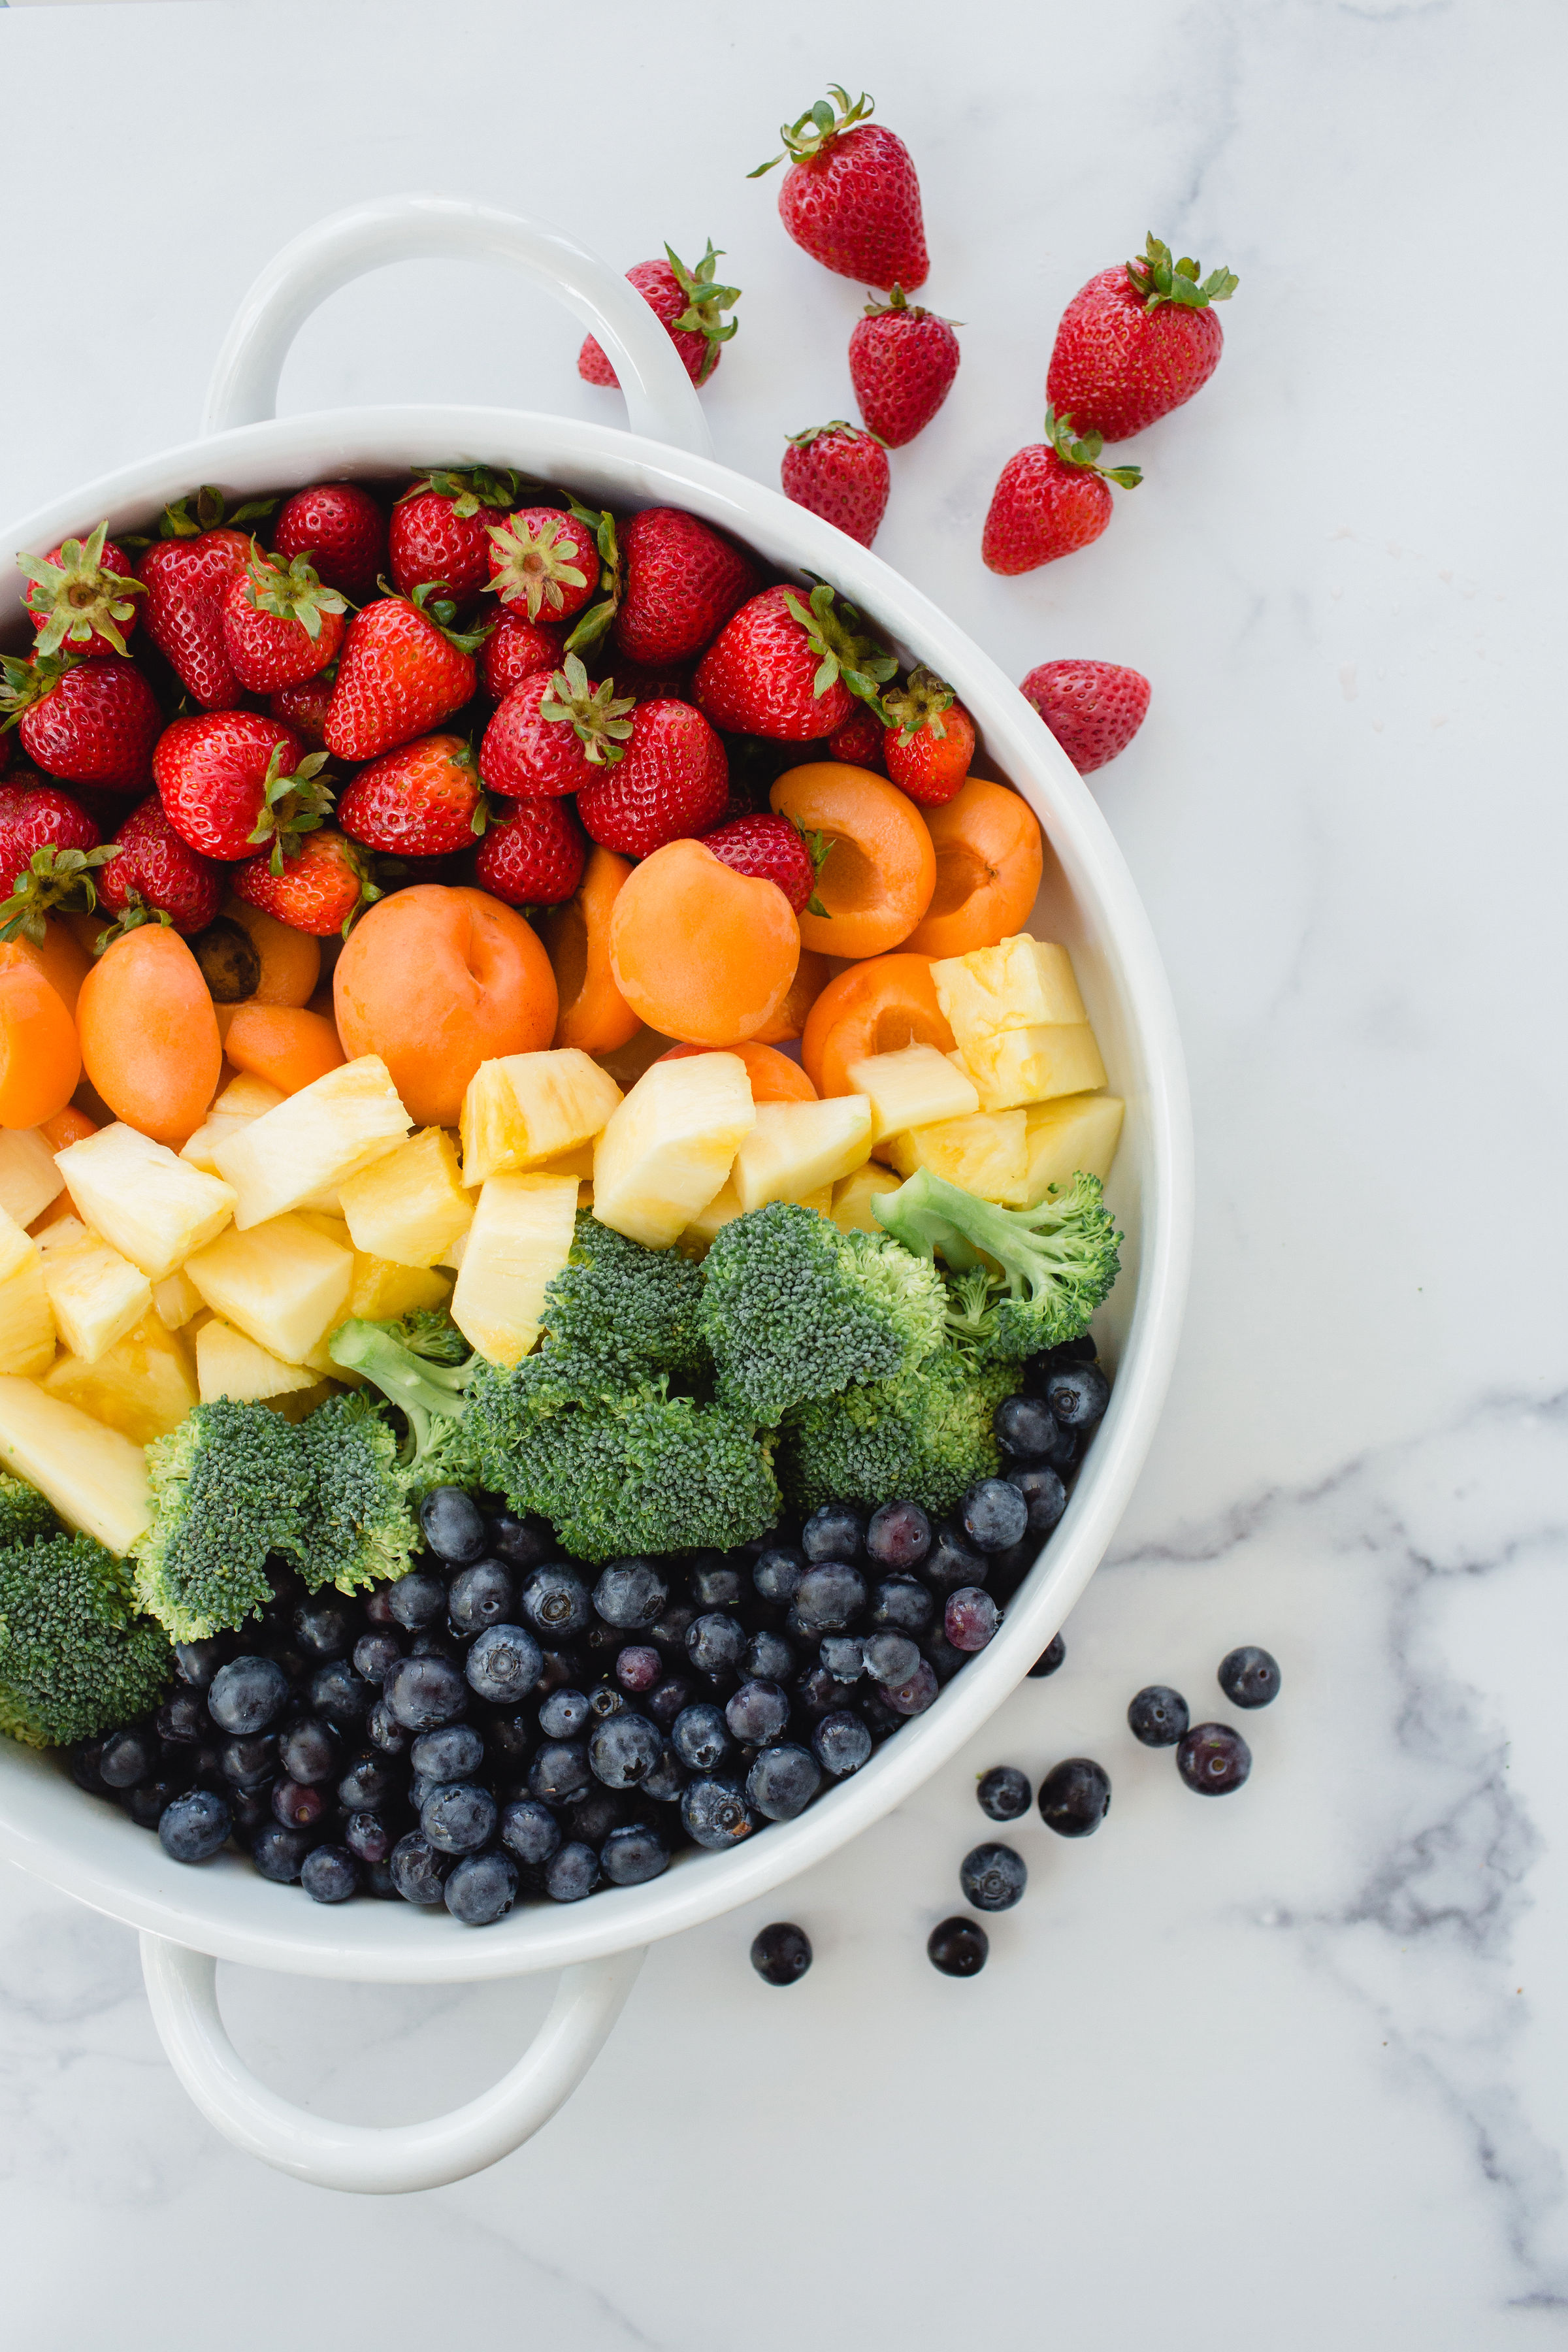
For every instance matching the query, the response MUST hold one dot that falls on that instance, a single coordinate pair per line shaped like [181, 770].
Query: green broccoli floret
[24, 1515]
[923, 1436]
[1051, 1265]
[794, 1309]
[229, 1486]
[620, 1313]
[413, 1365]
[359, 1527]
[74, 1658]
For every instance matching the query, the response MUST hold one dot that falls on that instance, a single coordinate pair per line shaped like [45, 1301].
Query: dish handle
[387, 2159]
[661, 401]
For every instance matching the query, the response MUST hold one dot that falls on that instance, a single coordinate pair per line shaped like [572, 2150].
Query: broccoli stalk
[74, 1659]
[405, 1362]
[1051, 1265]
[230, 1485]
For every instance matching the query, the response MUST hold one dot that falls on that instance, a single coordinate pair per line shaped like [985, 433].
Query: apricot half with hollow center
[989, 857]
[880, 870]
[699, 952]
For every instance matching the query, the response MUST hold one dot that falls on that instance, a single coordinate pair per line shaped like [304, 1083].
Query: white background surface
[1288, 2069]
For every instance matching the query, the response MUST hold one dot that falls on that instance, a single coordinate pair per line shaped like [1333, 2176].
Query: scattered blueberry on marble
[1004, 1793]
[1158, 1715]
[780, 1954]
[1213, 1759]
[1249, 1677]
[1075, 1796]
[1049, 1659]
[992, 1877]
[958, 1947]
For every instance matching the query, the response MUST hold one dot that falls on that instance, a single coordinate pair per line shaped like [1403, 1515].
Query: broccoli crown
[794, 1309]
[23, 1514]
[638, 1471]
[229, 1486]
[74, 1659]
[923, 1436]
[358, 1526]
[620, 1313]
[1051, 1265]
[413, 1365]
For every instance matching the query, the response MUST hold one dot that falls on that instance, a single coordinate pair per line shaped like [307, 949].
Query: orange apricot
[593, 1014]
[282, 1044]
[704, 953]
[436, 980]
[875, 1007]
[67, 1127]
[989, 856]
[811, 977]
[290, 961]
[61, 956]
[773, 1076]
[40, 1061]
[880, 871]
[150, 1039]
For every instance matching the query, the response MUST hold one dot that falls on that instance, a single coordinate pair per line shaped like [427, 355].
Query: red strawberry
[304, 706]
[439, 537]
[552, 733]
[1136, 342]
[773, 849]
[81, 596]
[402, 671]
[420, 801]
[673, 782]
[515, 649]
[688, 304]
[185, 573]
[543, 561]
[901, 364]
[88, 722]
[666, 683]
[1093, 708]
[157, 871]
[840, 473]
[858, 742]
[47, 846]
[850, 196]
[532, 854]
[280, 627]
[931, 741]
[344, 532]
[232, 779]
[319, 887]
[681, 582]
[1050, 499]
[782, 668]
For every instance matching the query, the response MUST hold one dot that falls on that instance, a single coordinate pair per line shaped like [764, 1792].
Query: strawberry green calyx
[602, 723]
[916, 706]
[837, 424]
[536, 562]
[1085, 452]
[81, 598]
[291, 590]
[595, 621]
[135, 913]
[291, 805]
[1156, 279]
[358, 863]
[177, 521]
[441, 612]
[844, 650]
[705, 302]
[476, 487]
[22, 683]
[819, 127]
[54, 881]
[899, 305]
[820, 848]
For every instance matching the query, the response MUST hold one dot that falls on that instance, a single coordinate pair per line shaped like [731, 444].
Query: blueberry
[700, 1737]
[425, 1692]
[571, 1873]
[147, 1804]
[128, 1758]
[1045, 1498]
[959, 1948]
[1078, 1394]
[504, 1664]
[1248, 1677]
[880, 1718]
[596, 1814]
[366, 1782]
[621, 1751]
[459, 1817]
[529, 1831]
[834, 1532]
[196, 1663]
[827, 1596]
[564, 1714]
[375, 1654]
[308, 1751]
[1049, 1659]
[455, 1752]
[757, 1712]
[841, 1743]
[992, 1877]
[481, 1889]
[630, 1594]
[1027, 1429]
[780, 1954]
[768, 1658]
[715, 1814]
[639, 1668]
[1075, 1796]
[484, 1594]
[278, 1852]
[510, 1740]
[911, 1697]
[893, 1657]
[436, 1642]
[296, 1805]
[1214, 1759]
[554, 1602]
[383, 1727]
[323, 1627]
[1158, 1715]
[251, 1808]
[898, 1536]
[183, 1718]
[633, 1854]
[84, 1768]
[819, 1692]
[246, 1763]
[1004, 1793]
[245, 1695]
[970, 1617]
[377, 1606]
[900, 1604]
[993, 1515]
[521, 1543]
[666, 1780]
[417, 1598]
[418, 1871]
[782, 1781]
[605, 1700]
[375, 1878]
[777, 1573]
[715, 1581]
[559, 1772]
[670, 1629]
[715, 1644]
[367, 1837]
[344, 1697]
[943, 1658]
[951, 1561]
[842, 1655]
[193, 1827]
[453, 1527]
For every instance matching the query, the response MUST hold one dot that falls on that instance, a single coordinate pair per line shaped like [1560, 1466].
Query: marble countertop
[1289, 2069]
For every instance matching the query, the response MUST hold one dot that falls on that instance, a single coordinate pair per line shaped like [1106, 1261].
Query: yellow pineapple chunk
[27, 1320]
[852, 1208]
[313, 1140]
[670, 1145]
[1075, 1131]
[526, 1110]
[518, 1242]
[984, 1154]
[141, 1386]
[911, 1087]
[409, 1205]
[96, 1479]
[796, 1147]
[96, 1295]
[176, 1299]
[1020, 984]
[231, 1365]
[578, 1163]
[283, 1284]
[146, 1202]
[1031, 1065]
[383, 1290]
[243, 1099]
[29, 1180]
[721, 1210]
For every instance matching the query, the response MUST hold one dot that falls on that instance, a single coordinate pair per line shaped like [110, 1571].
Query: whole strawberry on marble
[689, 303]
[902, 362]
[839, 471]
[1050, 499]
[850, 197]
[1136, 342]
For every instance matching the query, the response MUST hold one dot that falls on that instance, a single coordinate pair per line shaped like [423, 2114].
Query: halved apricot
[875, 1007]
[593, 1014]
[704, 953]
[879, 873]
[773, 1076]
[283, 1044]
[61, 956]
[811, 977]
[989, 856]
[150, 1039]
[290, 961]
[67, 1127]
[40, 1061]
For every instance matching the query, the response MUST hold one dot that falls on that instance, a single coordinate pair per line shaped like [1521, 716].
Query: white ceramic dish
[190, 1918]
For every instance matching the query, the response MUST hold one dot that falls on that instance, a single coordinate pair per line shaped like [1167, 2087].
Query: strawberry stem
[813, 132]
[704, 302]
[838, 425]
[1156, 279]
[54, 881]
[602, 724]
[78, 598]
[1074, 450]
[917, 705]
[845, 651]
[290, 590]
[476, 487]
